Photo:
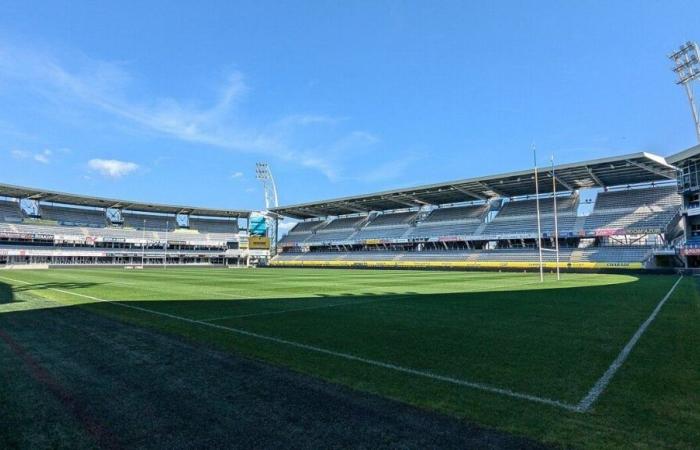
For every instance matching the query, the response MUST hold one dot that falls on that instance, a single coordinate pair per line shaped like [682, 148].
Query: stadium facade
[637, 211]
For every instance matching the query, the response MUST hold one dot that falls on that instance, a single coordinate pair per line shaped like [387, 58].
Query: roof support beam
[560, 181]
[417, 200]
[492, 189]
[37, 196]
[353, 207]
[316, 213]
[402, 202]
[652, 170]
[594, 177]
[470, 193]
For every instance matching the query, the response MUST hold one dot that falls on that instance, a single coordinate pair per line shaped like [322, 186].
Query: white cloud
[41, 157]
[112, 168]
[235, 175]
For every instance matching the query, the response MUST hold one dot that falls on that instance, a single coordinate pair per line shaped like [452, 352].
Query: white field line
[284, 311]
[600, 385]
[347, 356]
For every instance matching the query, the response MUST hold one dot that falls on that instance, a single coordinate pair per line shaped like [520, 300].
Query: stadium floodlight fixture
[264, 174]
[687, 66]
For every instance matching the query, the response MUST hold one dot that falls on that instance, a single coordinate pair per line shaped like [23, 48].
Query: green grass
[506, 330]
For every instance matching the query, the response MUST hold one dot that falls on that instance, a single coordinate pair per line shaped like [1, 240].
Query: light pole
[556, 224]
[687, 66]
[264, 174]
[539, 225]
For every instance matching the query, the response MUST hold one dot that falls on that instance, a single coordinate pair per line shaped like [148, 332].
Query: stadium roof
[620, 170]
[7, 190]
[692, 152]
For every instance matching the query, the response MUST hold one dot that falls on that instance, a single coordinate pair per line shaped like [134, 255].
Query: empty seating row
[213, 225]
[345, 223]
[517, 208]
[149, 221]
[436, 229]
[330, 236]
[69, 216]
[470, 213]
[392, 219]
[9, 211]
[664, 197]
[115, 232]
[502, 226]
[644, 209]
[381, 233]
[306, 227]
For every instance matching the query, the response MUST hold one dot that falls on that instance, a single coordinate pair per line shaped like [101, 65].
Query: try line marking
[600, 385]
[584, 405]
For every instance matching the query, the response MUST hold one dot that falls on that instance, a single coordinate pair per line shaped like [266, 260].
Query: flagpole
[539, 225]
[556, 224]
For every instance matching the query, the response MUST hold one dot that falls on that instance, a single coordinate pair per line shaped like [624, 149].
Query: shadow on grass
[67, 286]
[6, 293]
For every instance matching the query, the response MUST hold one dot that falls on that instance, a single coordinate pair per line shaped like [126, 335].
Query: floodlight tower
[264, 174]
[687, 66]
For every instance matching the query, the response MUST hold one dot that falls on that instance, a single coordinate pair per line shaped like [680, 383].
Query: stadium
[158, 292]
[633, 211]
[483, 344]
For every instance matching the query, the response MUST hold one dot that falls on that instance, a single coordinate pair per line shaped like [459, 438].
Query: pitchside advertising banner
[258, 243]
[50, 252]
[459, 264]
[26, 236]
[257, 225]
[691, 251]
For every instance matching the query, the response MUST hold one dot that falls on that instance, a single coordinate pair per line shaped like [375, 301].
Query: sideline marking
[416, 372]
[600, 385]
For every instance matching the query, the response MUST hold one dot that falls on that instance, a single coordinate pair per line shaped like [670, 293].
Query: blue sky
[176, 104]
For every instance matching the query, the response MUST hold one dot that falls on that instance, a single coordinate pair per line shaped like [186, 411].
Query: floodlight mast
[264, 174]
[687, 67]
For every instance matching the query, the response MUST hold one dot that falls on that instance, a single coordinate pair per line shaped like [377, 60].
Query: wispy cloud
[112, 168]
[105, 86]
[43, 157]
[236, 175]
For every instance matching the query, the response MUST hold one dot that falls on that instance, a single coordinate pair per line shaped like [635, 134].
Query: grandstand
[634, 209]
[65, 229]
[623, 211]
